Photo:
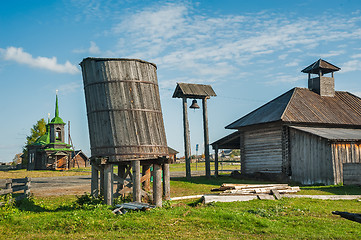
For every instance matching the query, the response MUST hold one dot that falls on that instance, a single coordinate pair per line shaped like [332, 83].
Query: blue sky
[249, 51]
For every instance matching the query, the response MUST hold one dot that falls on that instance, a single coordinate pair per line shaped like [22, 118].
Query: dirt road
[74, 185]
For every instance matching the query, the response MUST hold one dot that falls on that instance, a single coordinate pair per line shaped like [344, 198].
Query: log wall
[262, 150]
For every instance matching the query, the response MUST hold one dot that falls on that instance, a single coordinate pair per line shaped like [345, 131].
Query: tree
[38, 130]
[235, 152]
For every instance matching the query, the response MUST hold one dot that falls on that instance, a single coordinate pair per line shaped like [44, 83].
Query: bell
[194, 104]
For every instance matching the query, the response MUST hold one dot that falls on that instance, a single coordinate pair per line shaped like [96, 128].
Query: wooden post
[146, 172]
[157, 185]
[108, 184]
[94, 181]
[166, 181]
[241, 150]
[216, 161]
[206, 138]
[187, 148]
[137, 192]
[101, 188]
[27, 186]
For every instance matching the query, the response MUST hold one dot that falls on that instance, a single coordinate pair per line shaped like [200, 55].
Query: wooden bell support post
[195, 91]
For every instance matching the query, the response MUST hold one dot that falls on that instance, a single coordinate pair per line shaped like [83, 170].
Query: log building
[305, 135]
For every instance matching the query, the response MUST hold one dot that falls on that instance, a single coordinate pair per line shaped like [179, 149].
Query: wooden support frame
[129, 179]
[166, 181]
[137, 194]
[108, 184]
[94, 181]
[157, 185]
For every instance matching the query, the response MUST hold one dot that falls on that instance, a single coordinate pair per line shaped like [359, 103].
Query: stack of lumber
[250, 189]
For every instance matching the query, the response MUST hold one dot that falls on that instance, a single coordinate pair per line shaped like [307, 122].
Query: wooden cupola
[324, 86]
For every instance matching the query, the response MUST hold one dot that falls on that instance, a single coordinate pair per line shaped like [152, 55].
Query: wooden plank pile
[249, 189]
[246, 192]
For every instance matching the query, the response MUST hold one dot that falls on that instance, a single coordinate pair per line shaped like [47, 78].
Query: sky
[249, 52]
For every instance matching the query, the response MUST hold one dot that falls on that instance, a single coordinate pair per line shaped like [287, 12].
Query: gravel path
[74, 185]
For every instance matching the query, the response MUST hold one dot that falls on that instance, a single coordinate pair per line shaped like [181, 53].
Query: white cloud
[93, 49]
[353, 65]
[18, 55]
[356, 55]
[70, 88]
[283, 78]
[331, 54]
[175, 37]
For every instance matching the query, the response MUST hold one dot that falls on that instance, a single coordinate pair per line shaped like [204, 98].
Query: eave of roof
[334, 134]
[230, 141]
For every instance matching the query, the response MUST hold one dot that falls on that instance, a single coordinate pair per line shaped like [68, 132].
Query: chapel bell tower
[57, 133]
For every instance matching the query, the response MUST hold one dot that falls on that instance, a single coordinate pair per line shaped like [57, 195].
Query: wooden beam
[157, 185]
[137, 195]
[187, 147]
[206, 138]
[166, 181]
[108, 184]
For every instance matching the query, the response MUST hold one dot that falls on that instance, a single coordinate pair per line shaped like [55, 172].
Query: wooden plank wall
[352, 173]
[344, 152]
[124, 111]
[262, 150]
[311, 159]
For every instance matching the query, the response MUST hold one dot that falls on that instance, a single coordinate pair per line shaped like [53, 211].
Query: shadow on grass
[27, 204]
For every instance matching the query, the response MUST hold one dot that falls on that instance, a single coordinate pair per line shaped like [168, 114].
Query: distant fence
[14, 186]
[10, 167]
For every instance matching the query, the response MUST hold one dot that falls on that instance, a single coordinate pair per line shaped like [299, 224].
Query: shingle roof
[300, 105]
[325, 66]
[191, 90]
[341, 134]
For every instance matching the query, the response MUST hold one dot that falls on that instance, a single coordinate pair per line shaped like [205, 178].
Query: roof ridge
[229, 126]
[293, 94]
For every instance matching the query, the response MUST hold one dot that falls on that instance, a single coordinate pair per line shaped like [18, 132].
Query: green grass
[203, 185]
[63, 218]
[68, 218]
[200, 166]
